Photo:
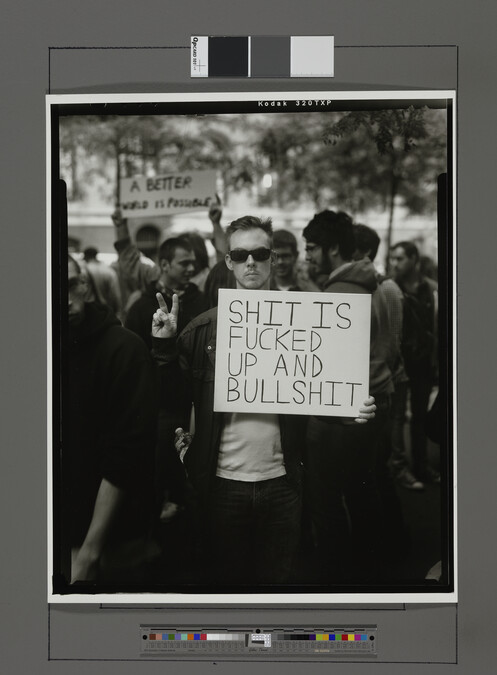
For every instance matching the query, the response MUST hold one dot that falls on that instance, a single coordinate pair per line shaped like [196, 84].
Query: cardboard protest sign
[292, 353]
[171, 193]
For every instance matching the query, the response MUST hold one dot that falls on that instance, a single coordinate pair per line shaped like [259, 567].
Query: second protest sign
[167, 194]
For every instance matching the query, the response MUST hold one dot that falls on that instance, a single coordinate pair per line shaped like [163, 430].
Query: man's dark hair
[219, 277]
[168, 249]
[250, 223]
[410, 249]
[199, 249]
[366, 240]
[330, 228]
[90, 253]
[283, 238]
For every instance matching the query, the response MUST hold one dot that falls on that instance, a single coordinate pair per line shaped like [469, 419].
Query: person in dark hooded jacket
[108, 413]
[345, 504]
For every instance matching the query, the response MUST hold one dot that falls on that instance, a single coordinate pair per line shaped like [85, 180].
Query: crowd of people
[148, 467]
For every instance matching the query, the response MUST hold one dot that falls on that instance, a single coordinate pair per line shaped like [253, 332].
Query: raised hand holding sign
[117, 217]
[216, 210]
[165, 322]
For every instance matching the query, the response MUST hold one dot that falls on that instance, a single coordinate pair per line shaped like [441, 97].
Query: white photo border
[188, 599]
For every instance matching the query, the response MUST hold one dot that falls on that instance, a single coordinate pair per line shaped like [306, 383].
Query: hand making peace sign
[165, 322]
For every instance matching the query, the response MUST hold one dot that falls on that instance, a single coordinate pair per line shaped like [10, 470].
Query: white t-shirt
[250, 448]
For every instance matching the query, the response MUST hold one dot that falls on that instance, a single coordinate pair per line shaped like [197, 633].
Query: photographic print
[252, 336]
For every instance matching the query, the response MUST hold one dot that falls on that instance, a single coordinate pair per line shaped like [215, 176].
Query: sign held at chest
[292, 353]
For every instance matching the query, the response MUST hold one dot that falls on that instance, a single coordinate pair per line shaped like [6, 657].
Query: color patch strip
[182, 637]
[330, 637]
[227, 637]
[262, 56]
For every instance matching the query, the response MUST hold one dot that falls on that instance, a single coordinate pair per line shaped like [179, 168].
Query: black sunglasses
[258, 254]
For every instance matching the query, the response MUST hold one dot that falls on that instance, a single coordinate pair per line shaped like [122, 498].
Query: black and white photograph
[206, 441]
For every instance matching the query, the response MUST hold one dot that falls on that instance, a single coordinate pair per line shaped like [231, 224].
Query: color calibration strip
[262, 56]
[259, 637]
[196, 636]
[344, 637]
[335, 642]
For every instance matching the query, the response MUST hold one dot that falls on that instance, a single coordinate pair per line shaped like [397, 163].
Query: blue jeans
[252, 531]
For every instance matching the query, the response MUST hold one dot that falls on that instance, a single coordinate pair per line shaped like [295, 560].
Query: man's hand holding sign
[164, 325]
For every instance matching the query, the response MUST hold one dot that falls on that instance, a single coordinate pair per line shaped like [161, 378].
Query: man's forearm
[219, 240]
[107, 505]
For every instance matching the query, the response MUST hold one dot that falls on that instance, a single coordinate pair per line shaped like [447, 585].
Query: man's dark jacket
[193, 356]
[109, 409]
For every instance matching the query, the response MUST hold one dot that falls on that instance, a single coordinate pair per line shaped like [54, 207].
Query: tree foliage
[406, 151]
[352, 161]
[115, 147]
[409, 143]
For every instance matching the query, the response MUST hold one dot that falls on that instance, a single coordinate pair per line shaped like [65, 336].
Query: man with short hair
[419, 347]
[108, 417]
[367, 244]
[244, 467]
[341, 458]
[136, 272]
[285, 259]
[177, 266]
[392, 453]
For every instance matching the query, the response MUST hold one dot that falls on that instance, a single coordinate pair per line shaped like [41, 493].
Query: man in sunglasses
[245, 467]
